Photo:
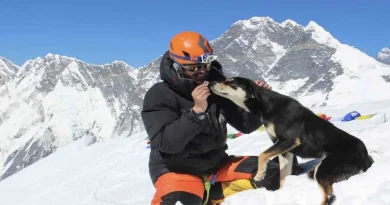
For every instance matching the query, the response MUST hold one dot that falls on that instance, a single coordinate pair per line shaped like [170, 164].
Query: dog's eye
[234, 87]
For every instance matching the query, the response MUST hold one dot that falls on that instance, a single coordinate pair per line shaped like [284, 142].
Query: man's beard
[198, 77]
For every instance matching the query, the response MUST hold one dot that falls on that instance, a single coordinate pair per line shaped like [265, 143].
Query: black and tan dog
[294, 129]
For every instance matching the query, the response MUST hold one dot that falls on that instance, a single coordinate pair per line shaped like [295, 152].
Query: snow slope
[360, 72]
[115, 171]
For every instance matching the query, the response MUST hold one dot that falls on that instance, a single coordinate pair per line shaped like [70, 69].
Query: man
[188, 133]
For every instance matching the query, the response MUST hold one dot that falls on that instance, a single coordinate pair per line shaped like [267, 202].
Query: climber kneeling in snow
[187, 127]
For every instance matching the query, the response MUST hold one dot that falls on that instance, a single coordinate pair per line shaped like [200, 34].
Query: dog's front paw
[270, 183]
[260, 172]
[259, 176]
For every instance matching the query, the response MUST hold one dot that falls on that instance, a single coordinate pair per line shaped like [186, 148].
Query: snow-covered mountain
[54, 100]
[305, 62]
[384, 56]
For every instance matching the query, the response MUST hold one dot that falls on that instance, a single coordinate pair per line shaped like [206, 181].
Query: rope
[207, 186]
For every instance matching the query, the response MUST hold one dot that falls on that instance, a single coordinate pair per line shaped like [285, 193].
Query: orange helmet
[190, 47]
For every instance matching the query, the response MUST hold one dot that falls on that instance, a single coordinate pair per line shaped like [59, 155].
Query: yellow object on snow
[365, 117]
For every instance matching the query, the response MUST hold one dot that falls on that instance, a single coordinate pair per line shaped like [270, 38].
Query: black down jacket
[180, 141]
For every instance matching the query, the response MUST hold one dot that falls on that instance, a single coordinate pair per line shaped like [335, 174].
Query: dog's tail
[368, 161]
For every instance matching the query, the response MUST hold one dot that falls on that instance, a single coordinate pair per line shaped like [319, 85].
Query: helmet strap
[178, 69]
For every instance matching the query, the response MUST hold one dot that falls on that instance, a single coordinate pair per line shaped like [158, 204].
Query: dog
[296, 130]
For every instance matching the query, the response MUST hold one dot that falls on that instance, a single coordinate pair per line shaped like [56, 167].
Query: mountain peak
[385, 50]
[384, 56]
[290, 22]
[12, 66]
[260, 19]
[255, 22]
[8, 70]
[321, 35]
[52, 56]
[119, 62]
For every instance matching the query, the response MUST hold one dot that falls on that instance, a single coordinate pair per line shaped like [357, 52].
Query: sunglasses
[196, 67]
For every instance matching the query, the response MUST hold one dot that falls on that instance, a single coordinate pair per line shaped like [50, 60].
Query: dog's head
[236, 89]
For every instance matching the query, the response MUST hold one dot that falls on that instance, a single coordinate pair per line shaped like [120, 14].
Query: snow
[254, 22]
[241, 40]
[67, 111]
[289, 22]
[231, 58]
[89, 139]
[115, 171]
[73, 69]
[361, 73]
[321, 35]
[288, 87]
[10, 70]
[133, 73]
[77, 110]
[264, 42]
[5, 67]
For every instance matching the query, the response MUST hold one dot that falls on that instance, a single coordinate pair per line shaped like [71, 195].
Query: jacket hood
[185, 86]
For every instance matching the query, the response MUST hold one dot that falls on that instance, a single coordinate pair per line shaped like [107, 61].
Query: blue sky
[139, 31]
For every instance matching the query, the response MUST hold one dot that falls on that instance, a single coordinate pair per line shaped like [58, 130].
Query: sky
[138, 32]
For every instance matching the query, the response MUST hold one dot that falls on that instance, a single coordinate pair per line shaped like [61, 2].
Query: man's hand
[200, 95]
[263, 84]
